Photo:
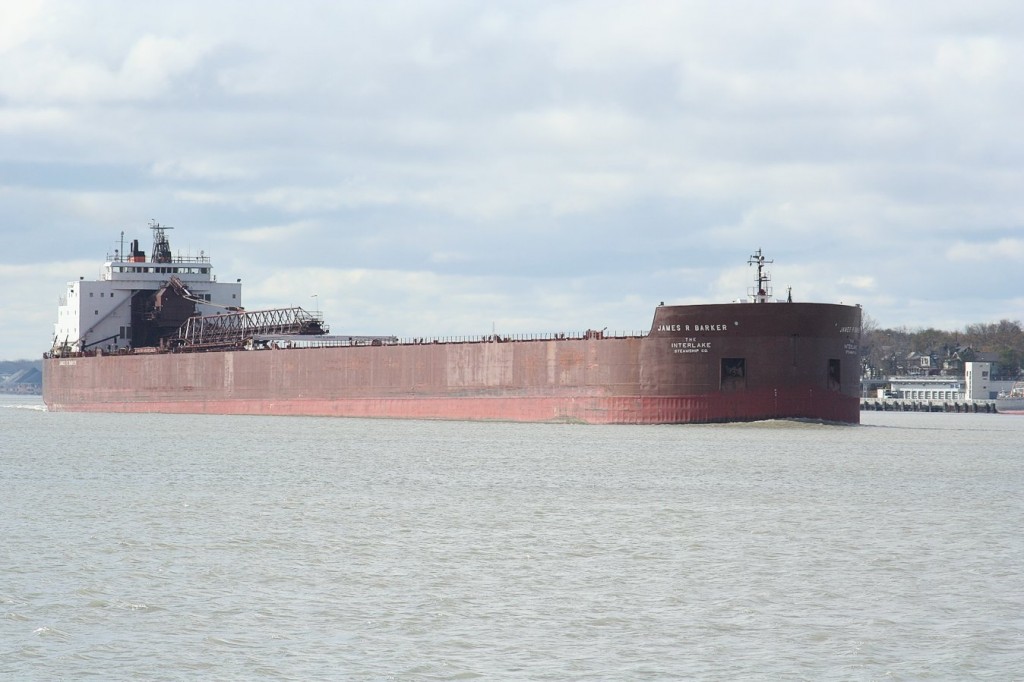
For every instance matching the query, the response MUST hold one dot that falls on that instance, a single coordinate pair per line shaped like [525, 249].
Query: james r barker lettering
[693, 327]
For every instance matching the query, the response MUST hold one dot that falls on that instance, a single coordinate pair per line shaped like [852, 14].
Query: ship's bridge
[187, 269]
[104, 312]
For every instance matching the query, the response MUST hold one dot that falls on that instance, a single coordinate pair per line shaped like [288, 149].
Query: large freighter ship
[163, 335]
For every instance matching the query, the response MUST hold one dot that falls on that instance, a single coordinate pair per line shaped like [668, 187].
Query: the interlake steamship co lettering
[693, 327]
[691, 345]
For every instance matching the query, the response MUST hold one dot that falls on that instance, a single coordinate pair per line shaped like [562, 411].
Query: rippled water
[168, 547]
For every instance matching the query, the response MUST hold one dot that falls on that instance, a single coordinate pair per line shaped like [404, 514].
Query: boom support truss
[231, 330]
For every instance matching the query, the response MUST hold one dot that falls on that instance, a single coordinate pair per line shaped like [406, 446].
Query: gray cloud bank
[453, 167]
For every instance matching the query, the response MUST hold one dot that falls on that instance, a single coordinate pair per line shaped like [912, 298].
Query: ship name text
[693, 327]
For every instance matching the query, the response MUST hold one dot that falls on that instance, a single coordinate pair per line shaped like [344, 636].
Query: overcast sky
[452, 167]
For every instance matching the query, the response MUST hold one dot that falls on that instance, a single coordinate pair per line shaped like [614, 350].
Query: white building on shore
[979, 384]
[924, 388]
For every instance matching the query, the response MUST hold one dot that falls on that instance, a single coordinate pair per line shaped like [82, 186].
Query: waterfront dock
[898, 405]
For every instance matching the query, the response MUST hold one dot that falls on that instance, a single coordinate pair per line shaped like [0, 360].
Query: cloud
[1001, 250]
[558, 160]
[202, 169]
[862, 282]
[48, 74]
[18, 22]
[273, 233]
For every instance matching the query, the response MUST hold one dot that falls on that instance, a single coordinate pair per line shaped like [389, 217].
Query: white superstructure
[98, 314]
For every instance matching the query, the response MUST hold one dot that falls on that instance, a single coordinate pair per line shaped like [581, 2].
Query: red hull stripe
[807, 404]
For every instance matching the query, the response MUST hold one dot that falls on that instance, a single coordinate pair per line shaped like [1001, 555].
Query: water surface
[170, 547]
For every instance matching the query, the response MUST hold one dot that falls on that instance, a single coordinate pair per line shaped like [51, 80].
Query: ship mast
[762, 293]
[161, 247]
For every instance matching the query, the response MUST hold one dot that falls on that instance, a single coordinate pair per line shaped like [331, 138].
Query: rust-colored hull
[731, 362]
